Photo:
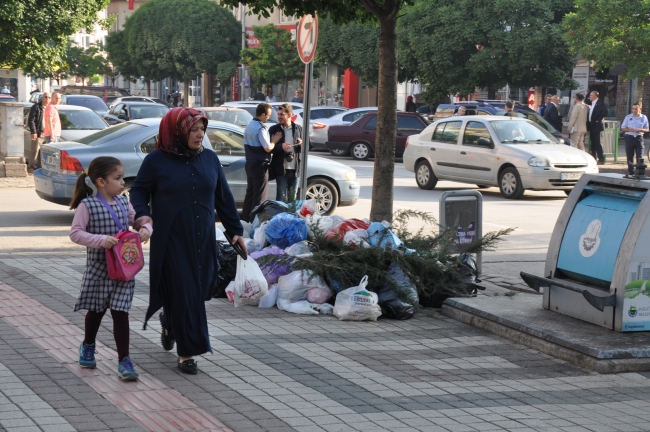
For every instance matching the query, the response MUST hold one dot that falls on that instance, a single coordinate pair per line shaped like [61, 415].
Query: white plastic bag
[325, 308]
[357, 303]
[299, 307]
[322, 222]
[220, 235]
[270, 299]
[251, 245]
[299, 248]
[296, 285]
[230, 291]
[250, 285]
[260, 235]
[308, 208]
[247, 229]
[357, 236]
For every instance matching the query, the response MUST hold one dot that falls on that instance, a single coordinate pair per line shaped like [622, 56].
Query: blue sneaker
[126, 371]
[87, 356]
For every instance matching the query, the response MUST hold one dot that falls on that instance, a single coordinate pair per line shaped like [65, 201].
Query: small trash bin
[598, 260]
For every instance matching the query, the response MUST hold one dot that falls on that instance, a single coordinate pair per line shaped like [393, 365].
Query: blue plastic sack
[379, 235]
[286, 229]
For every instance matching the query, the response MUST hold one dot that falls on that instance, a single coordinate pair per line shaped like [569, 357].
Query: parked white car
[318, 135]
[512, 153]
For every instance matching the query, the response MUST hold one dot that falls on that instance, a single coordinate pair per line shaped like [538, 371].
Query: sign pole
[306, 113]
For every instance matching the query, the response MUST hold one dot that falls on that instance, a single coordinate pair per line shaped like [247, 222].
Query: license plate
[571, 176]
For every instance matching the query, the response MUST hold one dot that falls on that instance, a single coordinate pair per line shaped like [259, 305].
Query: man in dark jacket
[509, 110]
[285, 165]
[597, 112]
[552, 114]
[35, 125]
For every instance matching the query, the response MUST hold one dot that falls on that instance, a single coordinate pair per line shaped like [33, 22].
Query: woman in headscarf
[184, 183]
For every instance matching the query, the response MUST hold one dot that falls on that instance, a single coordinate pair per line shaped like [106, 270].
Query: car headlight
[351, 175]
[537, 162]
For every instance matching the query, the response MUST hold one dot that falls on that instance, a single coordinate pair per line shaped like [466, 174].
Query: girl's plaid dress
[98, 292]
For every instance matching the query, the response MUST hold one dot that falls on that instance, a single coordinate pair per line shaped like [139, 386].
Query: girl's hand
[139, 222]
[110, 242]
[144, 235]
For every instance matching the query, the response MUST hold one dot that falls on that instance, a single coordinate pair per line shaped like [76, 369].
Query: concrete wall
[12, 160]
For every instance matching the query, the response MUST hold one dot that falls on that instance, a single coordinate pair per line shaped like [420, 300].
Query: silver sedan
[331, 183]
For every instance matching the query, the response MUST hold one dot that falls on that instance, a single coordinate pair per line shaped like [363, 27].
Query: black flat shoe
[167, 340]
[188, 366]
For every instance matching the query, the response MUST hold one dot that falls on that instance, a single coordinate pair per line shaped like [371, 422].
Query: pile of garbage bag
[280, 231]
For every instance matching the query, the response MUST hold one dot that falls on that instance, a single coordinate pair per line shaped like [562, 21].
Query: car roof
[77, 96]
[73, 108]
[220, 108]
[145, 104]
[6, 96]
[156, 121]
[330, 107]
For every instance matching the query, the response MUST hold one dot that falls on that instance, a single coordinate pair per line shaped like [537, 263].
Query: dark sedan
[358, 138]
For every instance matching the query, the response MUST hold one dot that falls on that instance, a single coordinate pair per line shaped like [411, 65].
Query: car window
[447, 132]
[81, 120]
[318, 114]
[474, 131]
[408, 122]
[117, 109]
[354, 116]
[239, 118]
[154, 111]
[225, 142]
[149, 145]
[92, 103]
[109, 134]
[520, 131]
[372, 123]
[536, 118]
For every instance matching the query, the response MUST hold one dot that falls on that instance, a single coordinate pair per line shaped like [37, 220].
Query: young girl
[94, 227]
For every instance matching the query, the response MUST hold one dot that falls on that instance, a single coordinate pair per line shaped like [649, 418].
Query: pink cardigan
[78, 232]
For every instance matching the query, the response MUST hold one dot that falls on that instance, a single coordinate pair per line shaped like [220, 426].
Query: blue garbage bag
[379, 235]
[285, 229]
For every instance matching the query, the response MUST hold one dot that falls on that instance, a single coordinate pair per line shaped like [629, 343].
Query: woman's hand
[144, 234]
[242, 243]
[110, 242]
[141, 221]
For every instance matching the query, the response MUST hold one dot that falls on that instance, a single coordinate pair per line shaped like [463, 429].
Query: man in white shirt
[634, 126]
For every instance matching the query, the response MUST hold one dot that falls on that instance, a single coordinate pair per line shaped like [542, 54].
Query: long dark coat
[184, 192]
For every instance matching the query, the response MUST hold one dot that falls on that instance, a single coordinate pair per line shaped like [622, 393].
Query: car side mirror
[121, 116]
[485, 142]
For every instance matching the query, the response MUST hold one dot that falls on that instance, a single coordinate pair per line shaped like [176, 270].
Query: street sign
[307, 36]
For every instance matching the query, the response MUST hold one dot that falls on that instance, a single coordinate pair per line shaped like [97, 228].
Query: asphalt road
[29, 224]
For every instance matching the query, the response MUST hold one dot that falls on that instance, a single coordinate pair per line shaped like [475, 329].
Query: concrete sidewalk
[275, 371]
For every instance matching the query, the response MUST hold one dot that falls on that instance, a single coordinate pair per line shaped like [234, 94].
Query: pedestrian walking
[258, 146]
[552, 113]
[296, 97]
[578, 121]
[93, 226]
[410, 105]
[51, 120]
[184, 185]
[542, 107]
[285, 162]
[597, 112]
[509, 111]
[35, 125]
[634, 126]
[269, 97]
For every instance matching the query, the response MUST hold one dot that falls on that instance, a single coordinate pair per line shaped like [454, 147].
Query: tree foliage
[521, 44]
[34, 33]
[276, 61]
[84, 63]
[609, 32]
[120, 58]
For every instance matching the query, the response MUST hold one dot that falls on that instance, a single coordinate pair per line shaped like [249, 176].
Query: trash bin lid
[593, 237]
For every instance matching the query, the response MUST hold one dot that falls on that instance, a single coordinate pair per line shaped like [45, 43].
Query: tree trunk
[148, 88]
[382, 183]
[186, 92]
[492, 93]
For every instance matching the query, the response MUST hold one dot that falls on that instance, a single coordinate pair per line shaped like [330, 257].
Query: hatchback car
[251, 106]
[126, 111]
[318, 137]
[331, 183]
[511, 153]
[7, 98]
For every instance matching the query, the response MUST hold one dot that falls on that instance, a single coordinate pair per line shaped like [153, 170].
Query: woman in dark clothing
[185, 184]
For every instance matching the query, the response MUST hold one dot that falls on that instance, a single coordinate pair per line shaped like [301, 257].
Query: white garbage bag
[357, 304]
[270, 299]
[299, 307]
[250, 285]
[296, 286]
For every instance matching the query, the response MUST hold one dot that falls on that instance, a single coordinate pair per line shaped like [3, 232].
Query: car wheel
[483, 186]
[360, 151]
[325, 194]
[339, 152]
[510, 184]
[424, 176]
